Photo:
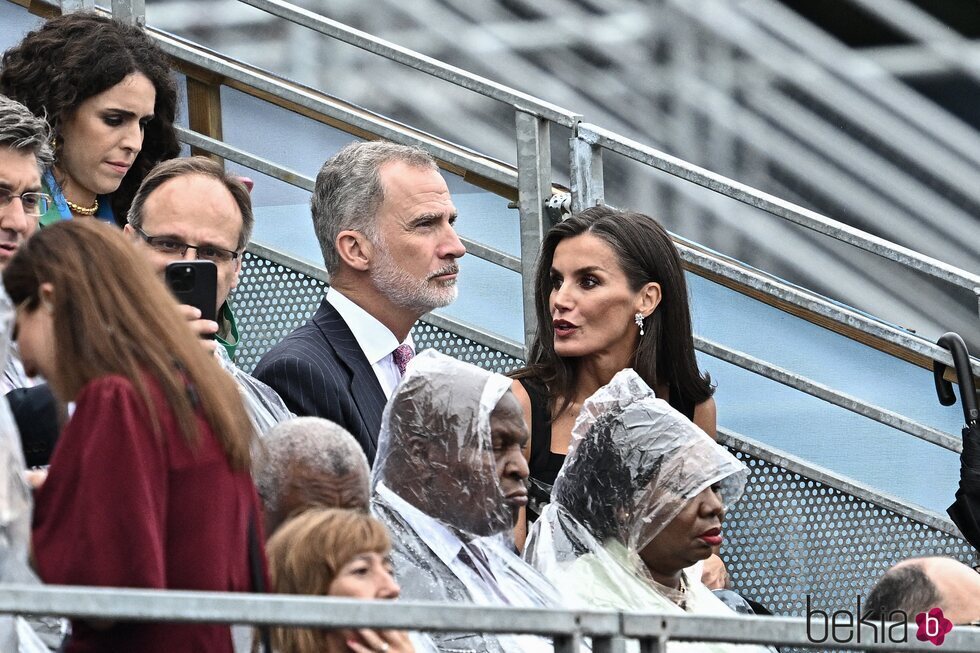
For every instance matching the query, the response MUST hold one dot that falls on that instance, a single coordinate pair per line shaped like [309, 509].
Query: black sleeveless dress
[544, 463]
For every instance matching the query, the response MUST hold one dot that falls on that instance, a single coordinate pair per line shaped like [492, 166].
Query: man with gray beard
[384, 219]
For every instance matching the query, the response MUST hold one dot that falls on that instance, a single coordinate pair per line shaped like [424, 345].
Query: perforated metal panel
[271, 300]
[790, 536]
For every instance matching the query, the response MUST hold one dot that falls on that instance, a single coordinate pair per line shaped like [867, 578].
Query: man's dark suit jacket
[320, 370]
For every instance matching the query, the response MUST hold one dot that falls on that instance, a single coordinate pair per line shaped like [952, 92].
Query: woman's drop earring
[638, 318]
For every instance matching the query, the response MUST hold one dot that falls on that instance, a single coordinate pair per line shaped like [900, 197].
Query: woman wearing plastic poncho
[640, 498]
[448, 482]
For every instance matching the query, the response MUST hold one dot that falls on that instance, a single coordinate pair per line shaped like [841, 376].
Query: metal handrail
[828, 394]
[933, 34]
[266, 167]
[847, 485]
[568, 627]
[595, 135]
[535, 106]
[703, 263]
[457, 76]
[322, 104]
[435, 318]
[909, 346]
[721, 352]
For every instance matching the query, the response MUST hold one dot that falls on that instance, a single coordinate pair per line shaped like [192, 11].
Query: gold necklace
[83, 210]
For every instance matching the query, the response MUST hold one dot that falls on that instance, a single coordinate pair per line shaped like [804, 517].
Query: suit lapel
[368, 396]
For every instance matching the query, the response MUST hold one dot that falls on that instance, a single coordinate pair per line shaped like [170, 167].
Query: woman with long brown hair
[610, 295]
[334, 552]
[148, 484]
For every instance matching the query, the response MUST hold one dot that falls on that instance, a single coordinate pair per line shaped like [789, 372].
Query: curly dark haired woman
[107, 91]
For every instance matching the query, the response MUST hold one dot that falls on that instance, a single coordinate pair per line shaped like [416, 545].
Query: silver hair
[22, 131]
[314, 442]
[349, 191]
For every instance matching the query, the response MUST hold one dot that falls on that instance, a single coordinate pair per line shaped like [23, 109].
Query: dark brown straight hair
[645, 252]
[112, 315]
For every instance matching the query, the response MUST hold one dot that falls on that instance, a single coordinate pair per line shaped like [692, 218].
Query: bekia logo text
[844, 626]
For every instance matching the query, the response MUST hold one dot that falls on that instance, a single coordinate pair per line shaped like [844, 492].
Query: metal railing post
[533, 188]
[586, 174]
[70, 6]
[653, 644]
[567, 643]
[131, 12]
[614, 644]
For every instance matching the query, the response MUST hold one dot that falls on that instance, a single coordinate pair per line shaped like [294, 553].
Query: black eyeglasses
[33, 203]
[173, 247]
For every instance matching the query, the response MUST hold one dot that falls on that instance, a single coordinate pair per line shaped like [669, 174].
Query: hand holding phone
[195, 283]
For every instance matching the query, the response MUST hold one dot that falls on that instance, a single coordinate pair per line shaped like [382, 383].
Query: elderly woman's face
[688, 538]
[102, 136]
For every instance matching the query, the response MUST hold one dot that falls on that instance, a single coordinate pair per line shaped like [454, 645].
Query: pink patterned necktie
[401, 356]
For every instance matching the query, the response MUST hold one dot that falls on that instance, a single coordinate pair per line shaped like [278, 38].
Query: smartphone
[195, 283]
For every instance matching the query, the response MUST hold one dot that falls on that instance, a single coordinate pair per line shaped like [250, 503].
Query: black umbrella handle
[964, 375]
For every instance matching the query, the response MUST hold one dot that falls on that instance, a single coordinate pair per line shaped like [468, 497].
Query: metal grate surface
[271, 300]
[791, 536]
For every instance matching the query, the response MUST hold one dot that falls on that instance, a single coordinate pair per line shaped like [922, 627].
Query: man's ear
[649, 298]
[355, 250]
[129, 231]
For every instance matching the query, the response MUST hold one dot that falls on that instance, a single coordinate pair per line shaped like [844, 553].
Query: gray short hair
[22, 131]
[314, 442]
[194, 165]
[349, 191]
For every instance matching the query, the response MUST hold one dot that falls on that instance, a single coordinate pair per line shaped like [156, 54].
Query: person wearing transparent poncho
[448, 482]
[638, 501]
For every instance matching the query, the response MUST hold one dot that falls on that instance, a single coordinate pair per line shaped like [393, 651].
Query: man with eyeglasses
[24, 153]
[191, 208]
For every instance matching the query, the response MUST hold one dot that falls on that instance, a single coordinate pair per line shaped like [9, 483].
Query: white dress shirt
[375, 340]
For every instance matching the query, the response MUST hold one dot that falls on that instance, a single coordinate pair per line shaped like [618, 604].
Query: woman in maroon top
[149, 484]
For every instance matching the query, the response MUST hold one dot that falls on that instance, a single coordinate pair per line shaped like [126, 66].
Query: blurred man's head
[24, 154]
[191, 208]
[920, 584]
[310, 462]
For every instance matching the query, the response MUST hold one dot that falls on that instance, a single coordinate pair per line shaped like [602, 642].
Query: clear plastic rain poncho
[634, 464]
[435, 486]
[264, 406]
[15, 511]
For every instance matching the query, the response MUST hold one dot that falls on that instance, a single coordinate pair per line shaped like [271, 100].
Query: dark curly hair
[76, 56]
